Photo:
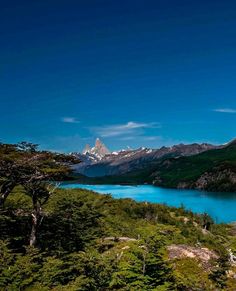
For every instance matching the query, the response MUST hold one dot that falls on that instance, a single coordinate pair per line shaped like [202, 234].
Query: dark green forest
[56, 239]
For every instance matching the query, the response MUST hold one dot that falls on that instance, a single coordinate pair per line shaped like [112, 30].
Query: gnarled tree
[39, 192]
[23, 165]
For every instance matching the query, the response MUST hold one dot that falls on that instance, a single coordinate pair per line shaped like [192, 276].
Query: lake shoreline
[220, 206]
[146, 183]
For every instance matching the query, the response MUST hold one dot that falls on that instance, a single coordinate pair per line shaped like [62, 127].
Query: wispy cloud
[69, 120]
[141, 138]
[225, 110]
[150, 138]
[123, 129]
[125, 138]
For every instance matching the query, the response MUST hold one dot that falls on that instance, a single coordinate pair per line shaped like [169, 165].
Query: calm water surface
[221, 206]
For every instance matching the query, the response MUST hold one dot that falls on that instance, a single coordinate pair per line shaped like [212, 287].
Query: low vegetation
[88, 241]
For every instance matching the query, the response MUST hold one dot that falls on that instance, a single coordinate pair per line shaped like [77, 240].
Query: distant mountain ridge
[99, 161]
[211, 170]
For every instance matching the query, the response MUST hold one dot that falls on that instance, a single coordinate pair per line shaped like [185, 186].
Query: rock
[125, 248]
[121, 238]
[232, 258]
[204, 255]
[87, 149]
[99, 150]
[216, 177]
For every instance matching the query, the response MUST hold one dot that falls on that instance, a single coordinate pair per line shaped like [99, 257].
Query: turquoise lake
[220, 206]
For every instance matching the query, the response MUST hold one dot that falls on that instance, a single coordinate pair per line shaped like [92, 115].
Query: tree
[8, 170]
[206, 221]
[39, 192]
[23, 165]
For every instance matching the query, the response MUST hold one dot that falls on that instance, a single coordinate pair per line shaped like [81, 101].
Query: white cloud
[69, 120]
[141, 138]
[150, 138]
[123, 129]
[225, 110]
[127, 138]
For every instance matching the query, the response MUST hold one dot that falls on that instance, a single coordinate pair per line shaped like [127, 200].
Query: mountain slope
[213, 170]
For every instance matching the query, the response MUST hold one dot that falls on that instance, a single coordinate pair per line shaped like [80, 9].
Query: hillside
[214, 170]
[89, 242]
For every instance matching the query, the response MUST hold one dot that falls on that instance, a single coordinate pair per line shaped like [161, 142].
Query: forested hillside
[88, 241]
[214, 170]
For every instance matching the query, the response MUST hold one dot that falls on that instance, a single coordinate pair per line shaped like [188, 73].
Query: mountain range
[202, 167]
[98, 161]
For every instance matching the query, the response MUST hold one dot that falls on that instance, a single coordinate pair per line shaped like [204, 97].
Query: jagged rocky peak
[98, 143]
[99, 150]
[87, 149]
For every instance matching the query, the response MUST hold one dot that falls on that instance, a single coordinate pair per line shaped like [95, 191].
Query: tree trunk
[36, 217]
[5, 191]
[144, 260]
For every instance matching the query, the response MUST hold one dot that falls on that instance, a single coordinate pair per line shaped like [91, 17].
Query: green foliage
[79, 246]
[88, 241]
[71, 217]
[20, 271]
[189, 275]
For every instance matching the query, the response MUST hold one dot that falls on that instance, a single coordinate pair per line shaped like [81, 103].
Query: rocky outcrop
[119, 239]
[203, 255]
[217, 180]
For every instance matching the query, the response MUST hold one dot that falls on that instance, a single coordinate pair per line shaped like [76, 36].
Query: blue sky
[134, 73]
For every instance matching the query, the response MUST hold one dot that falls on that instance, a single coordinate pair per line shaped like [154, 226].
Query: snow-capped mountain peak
[87, 149]
[99, 150]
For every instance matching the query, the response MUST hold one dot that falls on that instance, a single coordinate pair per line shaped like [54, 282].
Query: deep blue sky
[137, 73]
